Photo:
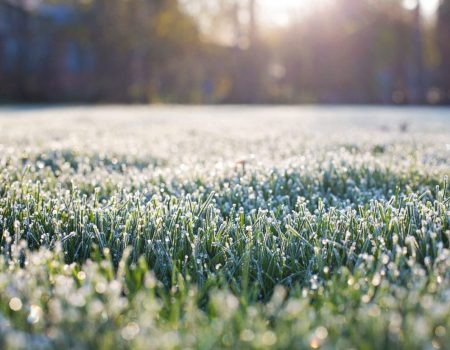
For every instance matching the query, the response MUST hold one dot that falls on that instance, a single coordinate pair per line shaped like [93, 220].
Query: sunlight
[429, 7]
[281, 12]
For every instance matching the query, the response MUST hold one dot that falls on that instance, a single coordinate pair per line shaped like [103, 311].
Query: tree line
[197, 51]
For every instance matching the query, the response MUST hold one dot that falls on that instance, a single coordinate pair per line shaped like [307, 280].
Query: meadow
[230, 227]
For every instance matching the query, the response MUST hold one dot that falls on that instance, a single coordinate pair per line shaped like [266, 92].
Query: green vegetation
[167, 232]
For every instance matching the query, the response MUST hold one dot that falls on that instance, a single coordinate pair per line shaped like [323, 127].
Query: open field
[230, 227]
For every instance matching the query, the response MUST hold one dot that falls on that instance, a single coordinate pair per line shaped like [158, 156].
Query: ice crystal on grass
[147, 236]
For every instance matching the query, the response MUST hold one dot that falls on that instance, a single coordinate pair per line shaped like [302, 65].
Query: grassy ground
[229, 228]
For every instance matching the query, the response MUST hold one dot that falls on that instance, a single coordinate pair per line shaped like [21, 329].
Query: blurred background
[225, 51]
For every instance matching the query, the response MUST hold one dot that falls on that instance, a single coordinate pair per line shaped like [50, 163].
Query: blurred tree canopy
[137, 45]
[443, 38]
[202, 51]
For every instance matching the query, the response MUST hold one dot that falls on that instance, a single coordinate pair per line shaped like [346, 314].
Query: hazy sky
[279, 12]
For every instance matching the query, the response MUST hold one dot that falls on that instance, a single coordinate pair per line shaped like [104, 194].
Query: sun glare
[281, 12]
